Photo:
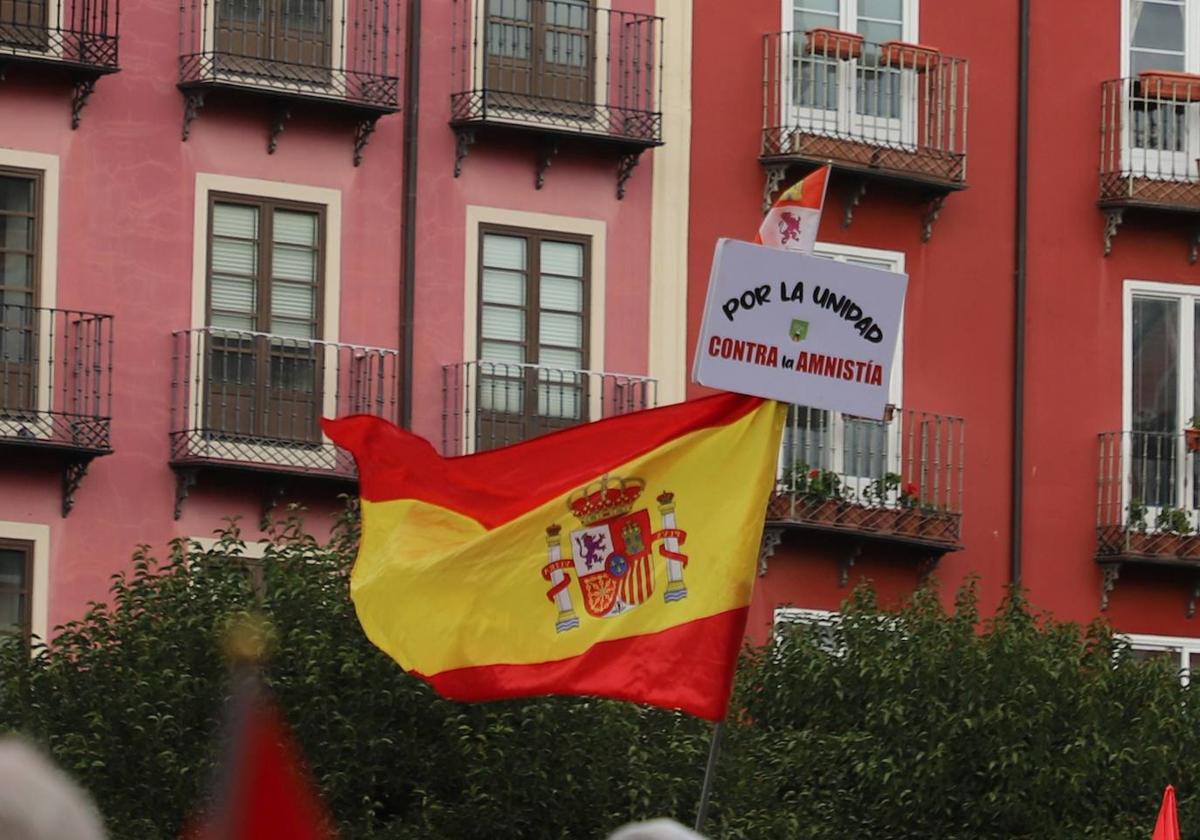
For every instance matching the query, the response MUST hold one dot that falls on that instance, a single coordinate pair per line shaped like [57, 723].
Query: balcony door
[859, 450]
[532, 335]
[1163, 132]
[858, 98]
[539, 55]
[23, 24]
[20, 195]
[263, 359]
[286, 40]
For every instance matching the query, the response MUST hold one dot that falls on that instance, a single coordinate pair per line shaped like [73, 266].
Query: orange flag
[792, 221]
[1167, 827]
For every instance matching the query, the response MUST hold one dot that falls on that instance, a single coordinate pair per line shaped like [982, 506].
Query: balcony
[251, 402]
[1149, 151]
[891, 112]
[340, 55]
[76, 37]
[486, 405]
[555, 71]
[55, 390]
[897, 482]
[1148, 508]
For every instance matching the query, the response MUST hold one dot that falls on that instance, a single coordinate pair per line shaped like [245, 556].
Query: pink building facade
[222, 221]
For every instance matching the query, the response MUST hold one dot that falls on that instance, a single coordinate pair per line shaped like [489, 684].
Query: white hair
[38, 801]
[662, 829]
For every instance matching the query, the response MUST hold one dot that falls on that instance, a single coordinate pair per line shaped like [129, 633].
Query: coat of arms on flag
[612, 551]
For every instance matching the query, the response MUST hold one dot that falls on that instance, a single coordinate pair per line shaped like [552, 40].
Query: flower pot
[909, 56]
[1192, 438]
[1170, 85]
[833, 43]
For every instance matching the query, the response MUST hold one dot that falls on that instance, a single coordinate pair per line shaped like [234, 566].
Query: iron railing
[562, 64]
[891, 107]
[902, 476]
[56, 378]
[78, 32]
[1150, 141]
[1149, 494]
[486, 405]
[256, 400]
[346, 50]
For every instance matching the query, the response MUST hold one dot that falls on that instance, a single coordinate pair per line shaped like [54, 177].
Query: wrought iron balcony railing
[1150, 142]
[895, 109]
[333, 50]
[80, 33]
[56, 379]
[564, 66]
[491, 404]
[254, 401]
[900, 479]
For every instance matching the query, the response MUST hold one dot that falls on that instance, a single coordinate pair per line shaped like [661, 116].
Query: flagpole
[714, 749]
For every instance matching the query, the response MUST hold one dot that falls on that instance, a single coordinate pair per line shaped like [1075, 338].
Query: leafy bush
[918, 723]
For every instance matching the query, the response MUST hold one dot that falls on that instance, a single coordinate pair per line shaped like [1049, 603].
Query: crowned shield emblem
[614, 564]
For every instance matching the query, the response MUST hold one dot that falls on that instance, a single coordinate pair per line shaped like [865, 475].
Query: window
[1185, 652]
[20, 207]
[541, 53]
[16, 575]
[263, 355]
[23, 24]
[859, 450]
[861, 95]
[282, 39]
[1163, 394]
[533, 333]
[1161, 35]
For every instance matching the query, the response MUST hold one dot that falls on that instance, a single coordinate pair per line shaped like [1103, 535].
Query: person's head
[654, 830]
[40, 802]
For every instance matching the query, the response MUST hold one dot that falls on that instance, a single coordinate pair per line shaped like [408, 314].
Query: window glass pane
[516, 9]
[291, 262]
[1155, 364]
[568, 13]
[509, 41]
[233, 322]
[296, 228]
[12, 567]
[557, 357]
[817, 6]
[233, 294]
[16, 194]
[562, 293]
[503, 287]
[561, 401]
[564, 258]
[11, 619]
[561, 330]
[502, 395]
[292, 300]
[806, 443]
[1157, 26]
[504, 252]
[876, 33]
[235, 220]
[803, 21]
[1140, 61]
[16, 232]
[501, 354]
[507, 324]
[16, 271]
[233, 256]
[884, 9]
[293, 329]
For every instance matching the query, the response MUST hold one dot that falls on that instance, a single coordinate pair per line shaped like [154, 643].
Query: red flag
[264, 793]
[1167, 827]
[792, 221]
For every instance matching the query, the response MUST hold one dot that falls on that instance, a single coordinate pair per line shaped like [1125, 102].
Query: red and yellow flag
[793, 219]
[615, 558]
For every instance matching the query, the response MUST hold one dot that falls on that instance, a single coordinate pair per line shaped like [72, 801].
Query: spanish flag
[793, 219]
[615, 558]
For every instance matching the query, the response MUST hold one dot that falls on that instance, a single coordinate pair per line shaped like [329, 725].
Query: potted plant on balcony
[908, 520]
[823, 495]
[1170, 85]
[1191, 434]
[1137, 541]
[1174, 525]
[908, 56]
[833, 43]
[877, 495]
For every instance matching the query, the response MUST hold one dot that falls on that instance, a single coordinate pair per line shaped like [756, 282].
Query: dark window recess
[19, 211]
[274, 39]
[23, 24]
[16, 577]
[540, 55]
[263, 359]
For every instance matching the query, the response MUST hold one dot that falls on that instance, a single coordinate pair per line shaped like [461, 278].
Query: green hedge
[918, 723]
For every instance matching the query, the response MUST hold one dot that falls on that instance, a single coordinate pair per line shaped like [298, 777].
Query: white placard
[799, 329]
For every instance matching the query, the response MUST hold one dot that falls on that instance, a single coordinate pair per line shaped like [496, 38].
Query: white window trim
[331, 199]
[911, 10]
[1183, 645]
[1191, 37]
[39, 588]
[1144, 288]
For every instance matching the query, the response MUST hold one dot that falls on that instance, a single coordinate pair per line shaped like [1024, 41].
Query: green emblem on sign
[799, 330]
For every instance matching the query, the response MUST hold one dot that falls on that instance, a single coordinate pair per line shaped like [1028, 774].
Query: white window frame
[1183, 645]
[893, 261]
[1138, 160]
[1187, 338]
[38, 535]
[846, 120]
